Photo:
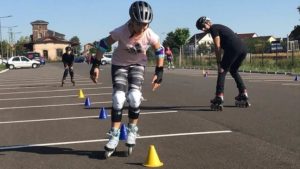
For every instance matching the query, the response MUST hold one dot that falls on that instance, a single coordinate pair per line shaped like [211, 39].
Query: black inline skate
[242, 100]
[72, 80]
[62, 83]
[217, 103]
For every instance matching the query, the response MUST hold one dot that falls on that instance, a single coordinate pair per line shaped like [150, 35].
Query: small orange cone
[152, 159]
[81, 95]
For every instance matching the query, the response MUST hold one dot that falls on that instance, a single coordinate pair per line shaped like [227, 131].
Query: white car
[106, 59]
[3, 61]
[21, 62]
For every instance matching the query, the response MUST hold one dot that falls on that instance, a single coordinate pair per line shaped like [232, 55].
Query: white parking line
[75, 118]
[28, 84]
[103, 140]
[290, 84]
[49, 91]
[34, 87]
[51, 97]
[52, 105]
[25, 82]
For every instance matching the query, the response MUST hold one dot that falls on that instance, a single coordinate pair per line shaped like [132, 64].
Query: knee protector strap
[133, 113]
[116, 115]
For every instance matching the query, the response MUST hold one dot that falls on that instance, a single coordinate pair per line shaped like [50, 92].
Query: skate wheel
[221, 108]
[130, 150]
[108, 154]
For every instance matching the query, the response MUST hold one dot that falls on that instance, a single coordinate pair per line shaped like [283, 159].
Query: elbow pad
[160, 52]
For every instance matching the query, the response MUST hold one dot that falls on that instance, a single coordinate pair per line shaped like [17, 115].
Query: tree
[295, 34]
[77, 47]
[177, 39]
[20, 45]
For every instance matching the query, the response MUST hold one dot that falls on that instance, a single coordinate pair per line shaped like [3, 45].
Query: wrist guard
[159, 73]
[95, 64]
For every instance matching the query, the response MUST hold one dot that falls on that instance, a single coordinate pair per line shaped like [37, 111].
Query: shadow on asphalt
[182, 108]
[99, 155]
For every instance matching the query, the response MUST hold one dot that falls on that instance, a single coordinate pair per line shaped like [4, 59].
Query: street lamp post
[10, 39]
[1, 33]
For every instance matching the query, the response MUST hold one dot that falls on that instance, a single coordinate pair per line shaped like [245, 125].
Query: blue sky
[91, 20]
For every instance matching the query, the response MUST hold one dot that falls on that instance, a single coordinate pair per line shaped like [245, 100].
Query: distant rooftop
[40, 22]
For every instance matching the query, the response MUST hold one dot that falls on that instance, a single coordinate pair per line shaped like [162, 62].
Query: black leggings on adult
[231, 61]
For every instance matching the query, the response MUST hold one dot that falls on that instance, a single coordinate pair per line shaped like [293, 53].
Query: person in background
[68, 60]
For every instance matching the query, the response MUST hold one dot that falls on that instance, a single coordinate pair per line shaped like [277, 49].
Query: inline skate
[242, 100]
[217, 103]
[110, 147]
[132, 130]
[72, 80]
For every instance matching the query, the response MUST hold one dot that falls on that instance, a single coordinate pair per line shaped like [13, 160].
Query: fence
[288, 61]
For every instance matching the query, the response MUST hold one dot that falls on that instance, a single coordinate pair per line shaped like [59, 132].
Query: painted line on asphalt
[49, 91]
[51, 97]
[57, 85]
[28, 84]
[290, 84]
[79, 117]
[51, 105]
[40, 79]
[25, 82]
[103, 140]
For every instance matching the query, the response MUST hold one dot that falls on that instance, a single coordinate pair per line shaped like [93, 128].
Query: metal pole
[1, 33]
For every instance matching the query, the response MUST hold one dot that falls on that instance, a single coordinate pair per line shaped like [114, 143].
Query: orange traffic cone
[81, 95]
[152, 159]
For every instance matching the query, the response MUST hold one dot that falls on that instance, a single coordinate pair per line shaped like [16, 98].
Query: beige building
[48, 43]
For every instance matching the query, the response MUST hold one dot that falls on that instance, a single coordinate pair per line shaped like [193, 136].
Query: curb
[3, 71]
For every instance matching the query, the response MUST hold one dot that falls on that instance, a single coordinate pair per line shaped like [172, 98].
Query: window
[24, 59]
[17, 59]
[59, 52]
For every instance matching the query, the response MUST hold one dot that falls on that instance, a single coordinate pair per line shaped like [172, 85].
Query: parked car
[21, 62]
[79, 59]
[3, 61]
[33, 55]
[106, 59]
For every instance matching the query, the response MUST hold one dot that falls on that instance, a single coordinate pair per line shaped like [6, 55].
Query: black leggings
[68, 69]
[231, 62]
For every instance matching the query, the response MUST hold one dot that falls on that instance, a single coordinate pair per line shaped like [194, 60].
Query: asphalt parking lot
[45, 126]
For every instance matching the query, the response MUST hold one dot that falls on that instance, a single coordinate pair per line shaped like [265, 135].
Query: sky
[92, 20]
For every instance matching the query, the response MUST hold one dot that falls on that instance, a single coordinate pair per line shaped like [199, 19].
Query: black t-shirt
[229, 39]
[68, 59]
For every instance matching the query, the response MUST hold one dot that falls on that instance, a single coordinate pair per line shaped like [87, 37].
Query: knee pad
[133, 113]
[134, 98]
[116, 115]
[118, 100]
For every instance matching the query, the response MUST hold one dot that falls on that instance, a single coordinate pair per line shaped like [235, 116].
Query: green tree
[20, 45]
[177, 39]
[77, 47]
[5, 46]
[295, 34]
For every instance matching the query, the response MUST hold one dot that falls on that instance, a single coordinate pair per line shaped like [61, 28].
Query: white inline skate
[132, 130]
[110, 147]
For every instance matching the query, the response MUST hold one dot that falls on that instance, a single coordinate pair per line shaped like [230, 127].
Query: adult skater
[234, 54]
[68, 60]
